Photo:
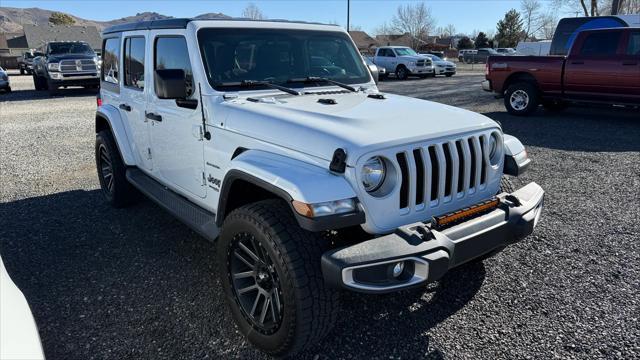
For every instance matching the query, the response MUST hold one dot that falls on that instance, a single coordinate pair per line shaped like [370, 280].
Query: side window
[110, 59]
[171, 53]
[134, 62]
[600, 44]
[633, 48]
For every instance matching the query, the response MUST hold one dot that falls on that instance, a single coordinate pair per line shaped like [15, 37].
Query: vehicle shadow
[30, 94]
[591, 129]
[131, 283]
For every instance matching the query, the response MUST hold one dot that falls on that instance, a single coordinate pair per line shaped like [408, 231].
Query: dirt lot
[135, 283]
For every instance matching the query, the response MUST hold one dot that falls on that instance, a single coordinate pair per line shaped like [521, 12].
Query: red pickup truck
[603, 66]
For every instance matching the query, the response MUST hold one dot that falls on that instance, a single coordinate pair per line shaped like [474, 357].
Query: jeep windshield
[279, 56]
[69, 48]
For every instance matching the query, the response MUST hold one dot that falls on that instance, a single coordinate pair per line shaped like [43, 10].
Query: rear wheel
[270, 271]
[112, 172]
[521, 98]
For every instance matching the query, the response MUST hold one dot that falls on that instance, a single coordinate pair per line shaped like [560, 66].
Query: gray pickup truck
[62, 64]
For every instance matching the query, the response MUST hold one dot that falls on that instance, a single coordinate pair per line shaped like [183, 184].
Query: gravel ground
[135, 283]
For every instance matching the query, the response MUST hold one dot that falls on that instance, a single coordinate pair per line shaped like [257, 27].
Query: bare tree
[450, 30]
[530, 12]
[414, 19]
[383, 29]
[252, 11]
[548, 21]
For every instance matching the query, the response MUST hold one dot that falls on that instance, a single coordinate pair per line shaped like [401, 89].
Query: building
[38, 35]
[365, 43]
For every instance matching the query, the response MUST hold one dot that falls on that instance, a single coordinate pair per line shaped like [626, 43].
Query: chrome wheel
[106, 169]
[256, 284]
[519, 100]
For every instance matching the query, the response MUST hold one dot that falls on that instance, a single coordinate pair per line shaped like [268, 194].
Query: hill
[11, 19]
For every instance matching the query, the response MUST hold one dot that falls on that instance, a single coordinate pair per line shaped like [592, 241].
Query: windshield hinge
[149, 153]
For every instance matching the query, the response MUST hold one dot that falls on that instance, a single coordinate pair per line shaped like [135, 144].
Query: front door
[133, 96]
[630, 67]
[592, 70]
[177, 146]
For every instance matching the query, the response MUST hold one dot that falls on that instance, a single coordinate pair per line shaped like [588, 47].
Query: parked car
[25, 62]
[439, 54]
[461, 54]
[603, 66]
[227, 127]
[506, 51]
[403, 62]
[66, 63]
[378, 73]
[480, 56]
[5, 83]
[442, 67]
[19, 338]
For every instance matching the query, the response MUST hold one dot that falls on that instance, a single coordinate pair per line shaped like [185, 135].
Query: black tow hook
[513, 199]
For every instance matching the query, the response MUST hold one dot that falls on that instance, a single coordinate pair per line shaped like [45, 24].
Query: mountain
[11, 19]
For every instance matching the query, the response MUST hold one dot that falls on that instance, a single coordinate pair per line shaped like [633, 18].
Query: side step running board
[197, 218]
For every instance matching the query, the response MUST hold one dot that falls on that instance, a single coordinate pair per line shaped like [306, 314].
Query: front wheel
[402, 73]
[112, 172]
[270, 271]
[21, 71]
[521, 98]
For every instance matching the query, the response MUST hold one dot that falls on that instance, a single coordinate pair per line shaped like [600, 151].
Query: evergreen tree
[509, 29]
[482, 41]
[465, 43]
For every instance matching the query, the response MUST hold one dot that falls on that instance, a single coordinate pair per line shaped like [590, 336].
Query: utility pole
[348, 11]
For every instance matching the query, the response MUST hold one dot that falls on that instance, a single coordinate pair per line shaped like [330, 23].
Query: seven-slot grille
[77, 65]
[437, 173]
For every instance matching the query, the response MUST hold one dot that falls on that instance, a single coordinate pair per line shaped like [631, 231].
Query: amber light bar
[462, 214]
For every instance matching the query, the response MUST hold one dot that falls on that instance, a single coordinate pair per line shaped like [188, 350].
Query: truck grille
[77, 65]
[439, 173]
[420, 63]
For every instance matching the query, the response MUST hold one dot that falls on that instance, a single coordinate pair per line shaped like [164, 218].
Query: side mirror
[373, 69]
[171, 84]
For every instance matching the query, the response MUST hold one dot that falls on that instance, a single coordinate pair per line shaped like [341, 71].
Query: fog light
[398, 269]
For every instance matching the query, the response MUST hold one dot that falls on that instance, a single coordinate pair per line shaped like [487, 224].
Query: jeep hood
[357, 123]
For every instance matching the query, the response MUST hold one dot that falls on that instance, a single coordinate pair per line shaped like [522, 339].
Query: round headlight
[494, 148]
[373, 174]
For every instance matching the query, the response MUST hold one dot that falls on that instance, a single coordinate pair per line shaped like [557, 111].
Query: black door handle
[154, 117]
[125, 107]
[577, 62]
[629, 63]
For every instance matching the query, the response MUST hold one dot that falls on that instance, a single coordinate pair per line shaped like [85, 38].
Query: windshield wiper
[252, 83]
[310, 79]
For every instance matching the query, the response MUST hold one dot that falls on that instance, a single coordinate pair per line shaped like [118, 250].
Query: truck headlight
[495, 146]
[412, 63]
[336, 207]
[373, 174]
[53, 66]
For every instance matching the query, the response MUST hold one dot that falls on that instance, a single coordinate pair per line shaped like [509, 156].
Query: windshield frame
[216, 85]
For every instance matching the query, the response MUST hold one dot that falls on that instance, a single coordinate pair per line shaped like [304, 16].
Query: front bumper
[427, 254]
[486, 85]
[74, 79]
[421, 70]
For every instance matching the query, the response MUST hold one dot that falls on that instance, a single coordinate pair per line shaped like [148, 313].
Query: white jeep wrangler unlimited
[310, 180]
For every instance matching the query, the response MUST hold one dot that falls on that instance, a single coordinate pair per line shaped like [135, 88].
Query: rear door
[177, 146]
[133, 94]
[592, 70]
[630, 66]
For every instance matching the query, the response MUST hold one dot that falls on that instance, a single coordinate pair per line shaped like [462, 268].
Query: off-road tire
[506, 185]
[53, 89]
[526, 90]
[402, 73]
[309, 307]
[120, 193]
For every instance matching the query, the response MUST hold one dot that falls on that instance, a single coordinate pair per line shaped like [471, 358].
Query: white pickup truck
[310, 180]
[404, 62]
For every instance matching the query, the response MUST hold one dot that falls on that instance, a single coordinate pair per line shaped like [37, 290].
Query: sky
[465, 15]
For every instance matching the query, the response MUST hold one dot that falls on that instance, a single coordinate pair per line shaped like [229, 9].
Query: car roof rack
[181, 23]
